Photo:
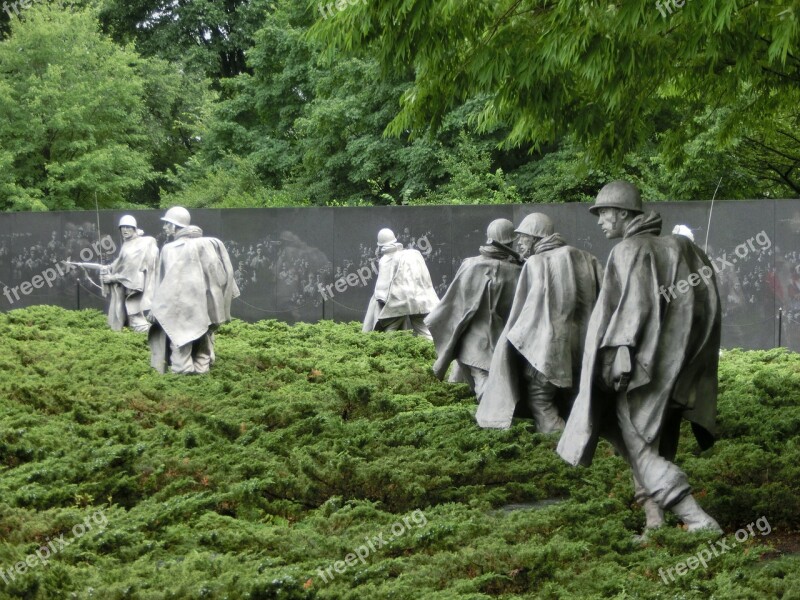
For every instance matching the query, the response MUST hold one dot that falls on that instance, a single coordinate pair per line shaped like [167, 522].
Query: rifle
[87, 265]
[103, 269]
[515, 255]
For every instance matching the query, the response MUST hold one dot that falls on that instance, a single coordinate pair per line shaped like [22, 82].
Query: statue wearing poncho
[131, 282]
[539, 352]
[650, 359]
[403, 290]
[472, 314]
[193, 295]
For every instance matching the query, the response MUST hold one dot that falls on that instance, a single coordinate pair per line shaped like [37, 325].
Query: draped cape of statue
[135, 268]
[410, 290]
[472, 314]
[195, 286]
[675, 342]
[555, 295]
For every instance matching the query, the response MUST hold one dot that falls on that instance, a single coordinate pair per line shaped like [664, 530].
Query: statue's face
[525, 244]
[127, 232]
[612, 221]
[170, 228]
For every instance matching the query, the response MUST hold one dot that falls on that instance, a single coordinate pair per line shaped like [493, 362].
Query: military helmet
[177, 215]
[127, 221]
[618, 194]
[500, 230]
[536, 225]
[386, 236]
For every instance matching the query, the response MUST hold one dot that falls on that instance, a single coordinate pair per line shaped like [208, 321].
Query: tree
[82, 119]
[208, 36]
[594, 71]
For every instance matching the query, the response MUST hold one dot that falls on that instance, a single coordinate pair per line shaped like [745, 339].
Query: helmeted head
[536, 225]
[616, 204]
[127, 221]
[684, 231]
[177, 215]
[175, 218]
[533, 228]
[386, 236]
[618, 194]
[127, 227]
[500, 230]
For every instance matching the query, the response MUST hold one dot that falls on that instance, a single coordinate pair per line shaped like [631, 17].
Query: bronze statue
[539, 351]
[471, 315]
[193, 293]
[650, 358]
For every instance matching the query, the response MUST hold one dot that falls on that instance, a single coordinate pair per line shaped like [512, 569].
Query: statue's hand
[615, 369]
[621, 369]
[108, 278]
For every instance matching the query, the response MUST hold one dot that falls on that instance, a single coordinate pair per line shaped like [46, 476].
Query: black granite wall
[289, 260]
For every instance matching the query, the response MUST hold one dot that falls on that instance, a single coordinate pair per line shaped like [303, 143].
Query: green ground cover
[308, 443]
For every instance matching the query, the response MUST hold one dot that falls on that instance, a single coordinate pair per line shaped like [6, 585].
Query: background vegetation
[284, 103]
[305, 440]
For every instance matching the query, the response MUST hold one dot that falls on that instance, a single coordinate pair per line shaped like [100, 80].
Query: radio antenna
[708, 226]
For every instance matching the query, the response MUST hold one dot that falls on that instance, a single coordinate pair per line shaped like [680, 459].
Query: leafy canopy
[593, 69]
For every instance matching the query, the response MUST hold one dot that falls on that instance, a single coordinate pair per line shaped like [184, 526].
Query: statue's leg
[479, 376]
[541, 396]
[419, 327]
[392, 324]
[670, 434]
[159, 348]
[203, 353]
[138, 323]
[181, 358]
[653, 513]
[663, 482]
[460, 374]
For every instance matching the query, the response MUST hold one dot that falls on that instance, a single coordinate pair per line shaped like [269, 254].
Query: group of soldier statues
[585, 351]
[178, 296]
[544, 332]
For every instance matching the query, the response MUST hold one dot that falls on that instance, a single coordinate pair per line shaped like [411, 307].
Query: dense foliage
[237, 103]
[615, 76]
[84, 121]
[305, 441]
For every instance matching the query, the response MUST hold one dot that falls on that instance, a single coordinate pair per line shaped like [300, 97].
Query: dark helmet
[500, 230]
[536, 225]
[618, 194]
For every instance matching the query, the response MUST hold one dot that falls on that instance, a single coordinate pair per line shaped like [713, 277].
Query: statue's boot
[694, 517]
[653, 513]
[654, 519]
